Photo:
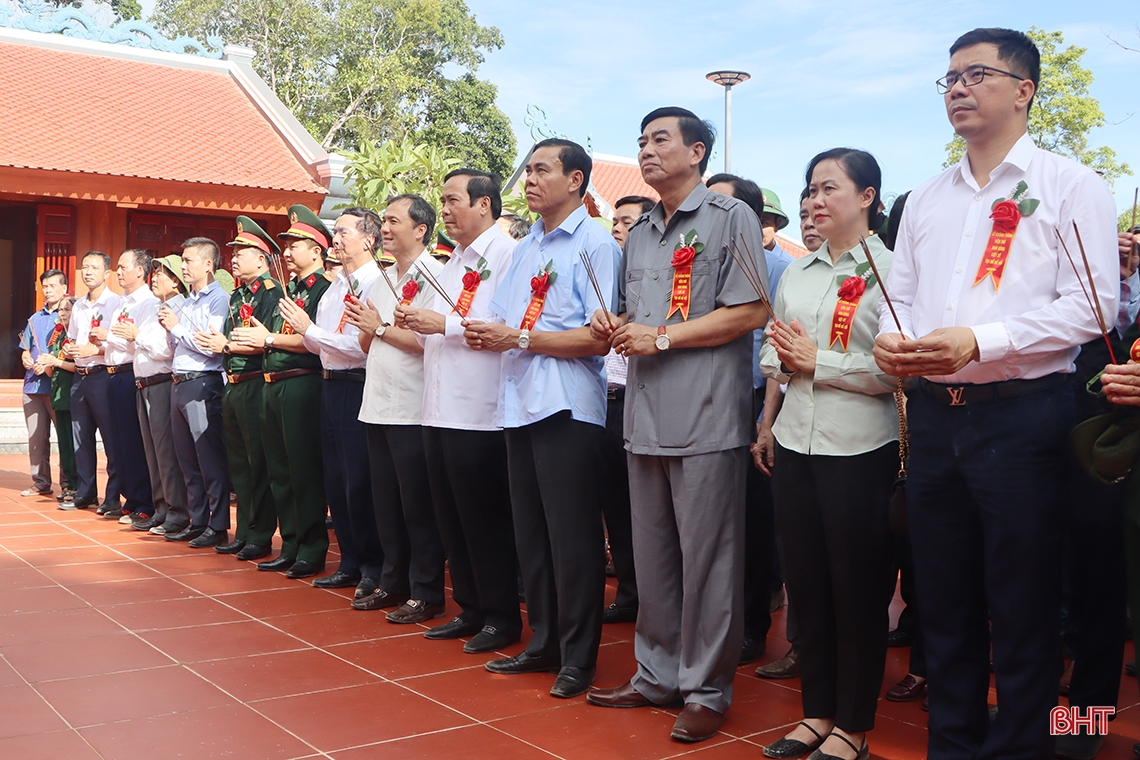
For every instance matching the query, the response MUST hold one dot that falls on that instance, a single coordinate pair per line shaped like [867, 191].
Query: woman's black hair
[894, 220]
[862, 168]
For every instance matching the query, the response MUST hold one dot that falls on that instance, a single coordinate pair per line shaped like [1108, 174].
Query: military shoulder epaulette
[723, 201]
[329, 277]
[270, 284]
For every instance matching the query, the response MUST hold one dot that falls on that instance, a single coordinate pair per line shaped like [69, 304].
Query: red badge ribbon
[538, 287]
[471, 282]
[850, 293]
[1006, 218]
[55, 333]
[410, 290]
[683, 255]
[347, 300]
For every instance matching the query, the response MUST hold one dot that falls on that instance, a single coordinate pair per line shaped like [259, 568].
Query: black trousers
[91, 410]
[405, 517]
[832, 514]
[614, 477]
[348, 485]
[984, 496]
[909, 618]
[759, 544]
[471, 493]
[196, 424]
[128, 443]
[553, 465]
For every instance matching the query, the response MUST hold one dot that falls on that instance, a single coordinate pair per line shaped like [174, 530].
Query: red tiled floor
[172, 613]
[15, 601]
[459, 742]
[132, 590]
[26, 713]
[49, 660]
[216, 642]
[280, 675]
[57, 745]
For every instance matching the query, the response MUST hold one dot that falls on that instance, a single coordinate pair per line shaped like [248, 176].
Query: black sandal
[793, 747]
[860, 754]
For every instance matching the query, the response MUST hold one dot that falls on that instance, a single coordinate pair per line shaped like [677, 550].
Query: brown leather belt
[235, 379]
[85, 371]
[351, 375]
[273, 377]
[961, 395]
[183, 377]
[146, 382]
[114, 369]
[615, 392]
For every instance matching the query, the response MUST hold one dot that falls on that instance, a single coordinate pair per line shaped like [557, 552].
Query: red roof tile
[614, 180]
[791, 246]
[78, 112]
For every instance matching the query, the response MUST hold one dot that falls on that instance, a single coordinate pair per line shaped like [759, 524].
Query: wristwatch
[524, 340]
[269, 340]
[226, 349]
[662, 341]
[381, 329]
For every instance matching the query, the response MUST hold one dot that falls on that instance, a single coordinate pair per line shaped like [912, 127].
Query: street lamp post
[727, 79]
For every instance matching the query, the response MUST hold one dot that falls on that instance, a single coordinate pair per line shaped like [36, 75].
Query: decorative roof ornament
[536, 119]
[47, 18]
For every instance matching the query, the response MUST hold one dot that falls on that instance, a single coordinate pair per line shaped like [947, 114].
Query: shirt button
[949, 307]
[977, 197]
[958, 270]
[655, 275]
[641, 386]
[662, 242]
[969, 233]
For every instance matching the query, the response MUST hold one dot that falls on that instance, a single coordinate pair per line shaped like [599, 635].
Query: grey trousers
[39, 416]
[688, 547]
[167, 485]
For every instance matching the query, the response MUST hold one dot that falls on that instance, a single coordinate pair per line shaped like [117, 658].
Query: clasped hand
[795, 350]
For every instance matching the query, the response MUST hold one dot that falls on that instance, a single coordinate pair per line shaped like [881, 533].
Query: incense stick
[388, 280]
[882, 285]
[1092, 284]
[756, 274]
[1097, 315]
[436, 286]
[597, 288]
[748, 266]
[1135, 198]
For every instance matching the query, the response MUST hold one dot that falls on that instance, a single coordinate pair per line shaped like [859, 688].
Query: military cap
[444, 247]
[306, 225]
[251, 234]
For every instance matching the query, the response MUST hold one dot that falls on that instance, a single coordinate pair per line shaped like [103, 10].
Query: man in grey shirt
[689, 314]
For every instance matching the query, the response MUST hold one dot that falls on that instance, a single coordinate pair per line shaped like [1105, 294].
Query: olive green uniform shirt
[262, 295]
[307, 294]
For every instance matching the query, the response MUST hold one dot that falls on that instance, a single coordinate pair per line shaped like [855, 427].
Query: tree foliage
[381, 170]
[360, 72]
[1063, 112]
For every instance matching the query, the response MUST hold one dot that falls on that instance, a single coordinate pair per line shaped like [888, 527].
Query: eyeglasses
[970, 77]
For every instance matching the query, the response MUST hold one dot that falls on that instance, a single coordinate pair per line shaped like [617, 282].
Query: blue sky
[825, 73]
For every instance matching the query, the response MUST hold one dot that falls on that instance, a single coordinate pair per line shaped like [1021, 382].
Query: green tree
[1063, 112]
[1126, 220]
[358, 72]
[381, 170]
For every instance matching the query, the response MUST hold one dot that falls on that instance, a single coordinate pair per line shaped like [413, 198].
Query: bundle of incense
[882, 285]
[748, 266]
[1094, 304]
[35, 338]
[388, 282]
[1135, 198]
[597, 288]
[436, 286]
[183, 315]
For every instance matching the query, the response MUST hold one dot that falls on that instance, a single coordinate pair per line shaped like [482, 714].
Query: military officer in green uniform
[255, 299]
[292, 400]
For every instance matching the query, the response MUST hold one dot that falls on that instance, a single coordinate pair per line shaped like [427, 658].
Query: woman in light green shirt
[835, 460]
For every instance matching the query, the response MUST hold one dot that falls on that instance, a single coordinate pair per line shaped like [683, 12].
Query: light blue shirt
[778, 260]
[1129, 302]
[535, 386]
[200, 311]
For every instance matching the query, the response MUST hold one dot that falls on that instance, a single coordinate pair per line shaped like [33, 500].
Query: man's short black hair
[212, 252]
[646, 204]
[100, 254]
[573, 156]
[1016, 49]
[420, 211]
[693, 129]
[482, 185]
[49, 273]
[743, 189]
[519, 226]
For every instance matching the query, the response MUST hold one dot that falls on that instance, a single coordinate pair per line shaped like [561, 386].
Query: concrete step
[14, 432]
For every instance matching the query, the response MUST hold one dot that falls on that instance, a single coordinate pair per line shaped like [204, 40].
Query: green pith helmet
[225, 279]
[772, 206]
[251, 234]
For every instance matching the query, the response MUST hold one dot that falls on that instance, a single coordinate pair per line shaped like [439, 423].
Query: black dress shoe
[750, 650]
[209, 537]
[233, 547]
[900, 637]
[378, 600]
[572, 682]
[793, 747]
[148, 523]
[276, 565]
[1078, 746]
[337, 580]
[305, 569]
[73, 503]
[524, 663]
[490, 639]
[189, 533]
[619, 614]
[456, 629]
[109, 506]
[1130, 668]
[251, 552]
[368, 587]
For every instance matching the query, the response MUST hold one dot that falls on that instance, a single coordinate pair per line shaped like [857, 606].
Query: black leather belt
[615, 392]
[114, 369]
[961, 395]
[242, 377]
[273, 377]
[182, 377]
[146, 382]
[85, 371]
[350, 375]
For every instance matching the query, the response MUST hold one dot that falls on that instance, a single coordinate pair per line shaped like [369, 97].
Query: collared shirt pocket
[633, 282]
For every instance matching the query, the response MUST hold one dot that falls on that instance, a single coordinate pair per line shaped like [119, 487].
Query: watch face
[662, 342]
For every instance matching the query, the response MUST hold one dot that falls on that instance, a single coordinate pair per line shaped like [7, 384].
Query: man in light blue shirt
[552, 406]
[196, 398]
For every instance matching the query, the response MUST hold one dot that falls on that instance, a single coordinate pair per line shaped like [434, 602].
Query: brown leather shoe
[907, 690]
[414, 611]
[787, 666]
[378, 600]
[697, 723]
[623, 696]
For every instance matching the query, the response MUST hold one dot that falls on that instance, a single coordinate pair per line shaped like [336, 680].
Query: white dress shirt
[154, 348]
[340, 350]
[461, 386]
[1034, 326]
[137, 307]
[394, 384]
[85, 310]
[203, 310]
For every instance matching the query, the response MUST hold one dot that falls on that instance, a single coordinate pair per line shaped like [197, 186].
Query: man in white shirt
[348, 484]
[412, 579]
[90, 392]
[990, 420]
[136, 304]
[465, 447]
